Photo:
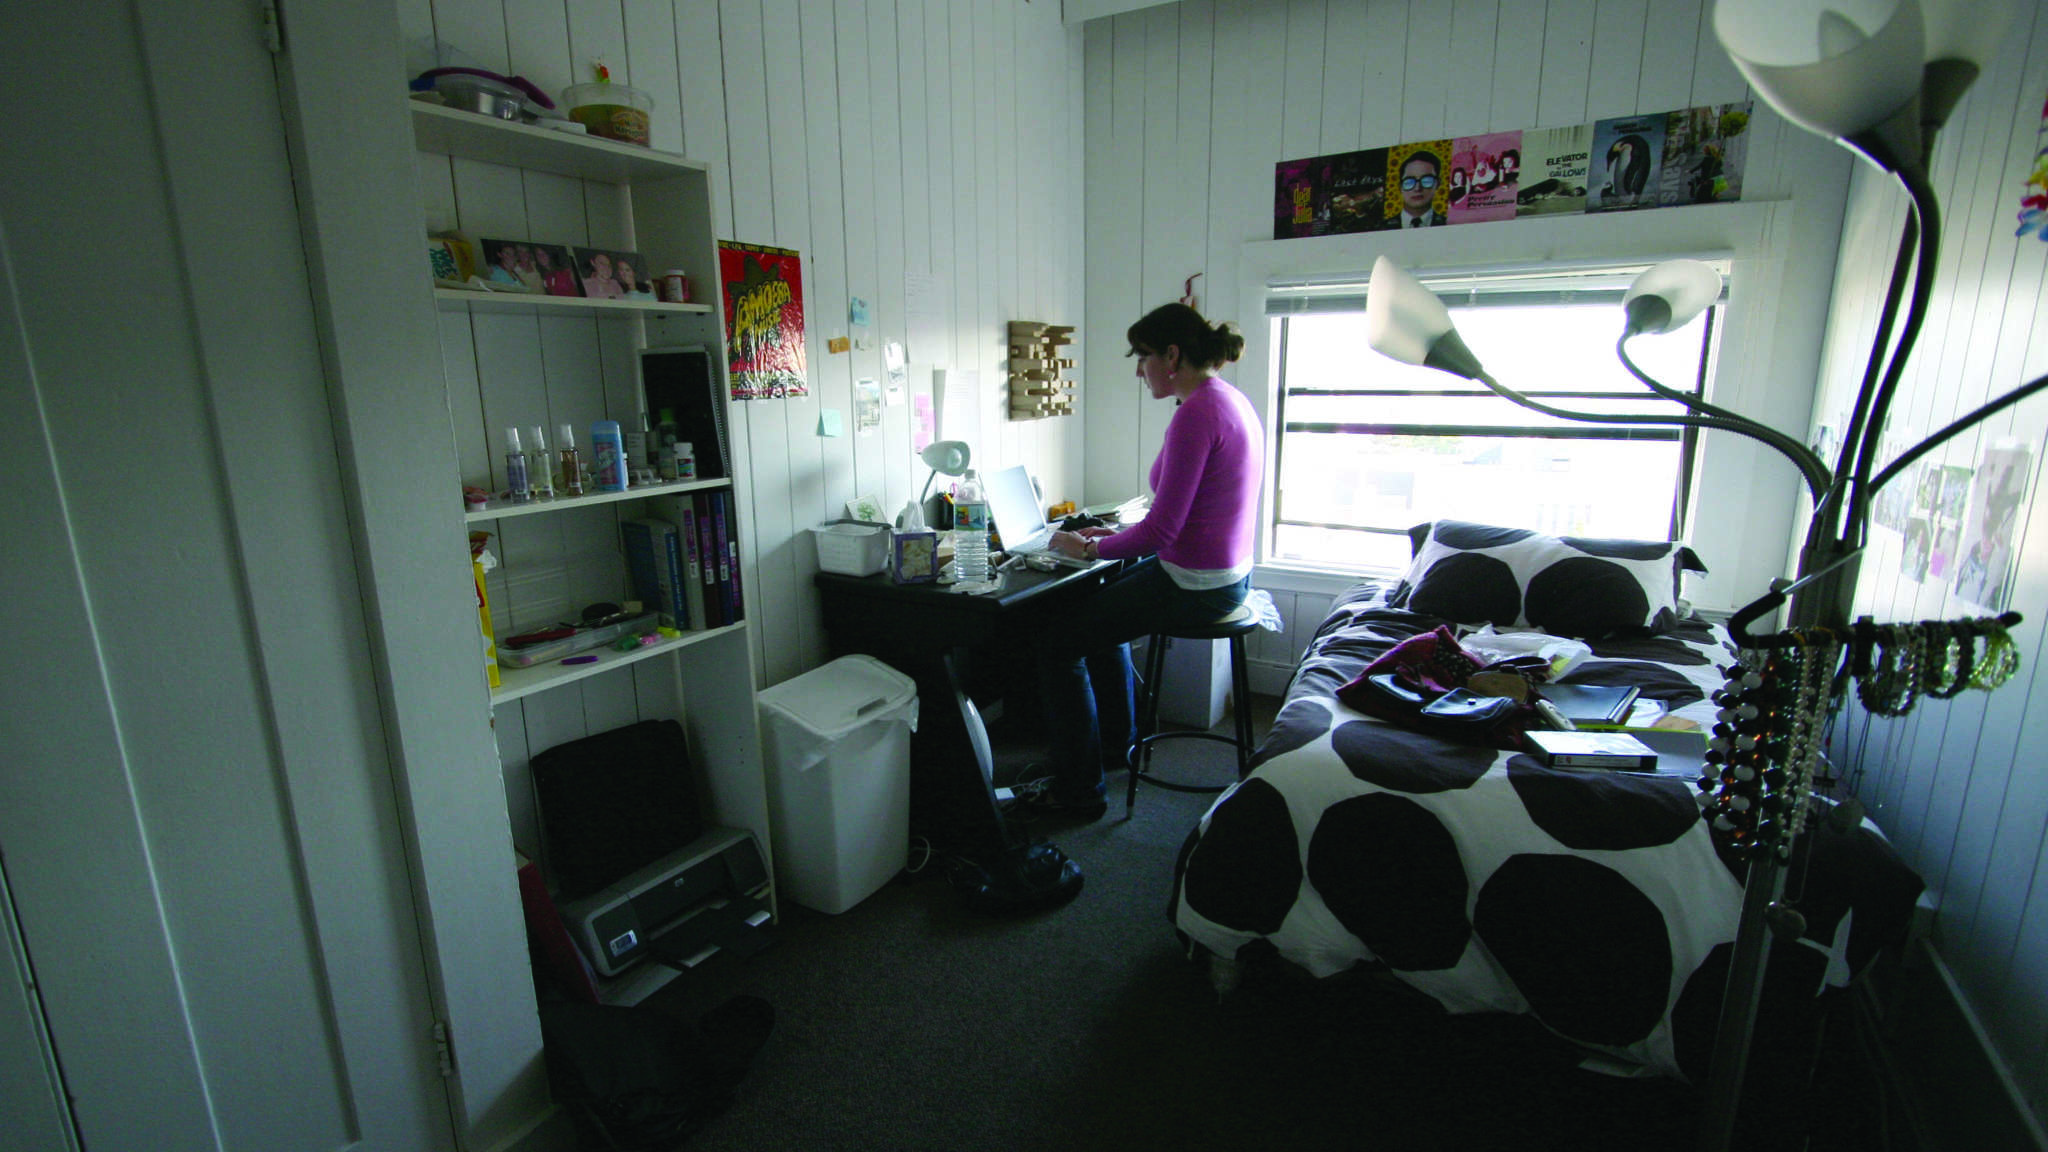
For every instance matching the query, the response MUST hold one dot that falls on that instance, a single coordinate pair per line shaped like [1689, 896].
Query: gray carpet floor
[908, 1022]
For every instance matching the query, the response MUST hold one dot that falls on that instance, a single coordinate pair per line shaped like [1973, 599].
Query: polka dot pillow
[1517, 579]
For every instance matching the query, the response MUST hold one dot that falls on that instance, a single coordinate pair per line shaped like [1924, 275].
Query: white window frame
[1748, 505]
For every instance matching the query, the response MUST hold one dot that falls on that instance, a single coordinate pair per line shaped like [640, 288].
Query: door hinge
[273, 29]
[444, 1048]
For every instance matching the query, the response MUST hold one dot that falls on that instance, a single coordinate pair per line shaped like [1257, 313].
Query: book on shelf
[654, 560]
[1585, 704]
[684, 381]
[1615, 750]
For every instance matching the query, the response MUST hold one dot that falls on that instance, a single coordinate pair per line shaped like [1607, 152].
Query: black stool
[1233, 627]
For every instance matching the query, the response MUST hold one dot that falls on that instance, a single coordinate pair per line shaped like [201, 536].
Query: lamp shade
[1667, 296]
[948, 456]
[1970, 30]
[1403, 320]
[1835, 67]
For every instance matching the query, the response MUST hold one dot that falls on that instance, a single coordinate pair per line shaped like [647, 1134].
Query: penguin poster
[1554, 168]
[1485, 173]
[1704, 153]
[1627, 164]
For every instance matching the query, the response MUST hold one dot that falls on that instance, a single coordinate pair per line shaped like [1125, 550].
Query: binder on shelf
[728, 542]
[681, 510]
[684, 379]
[714, 604]
[654, 558]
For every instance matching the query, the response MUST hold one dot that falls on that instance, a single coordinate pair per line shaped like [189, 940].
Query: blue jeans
[1086, 684]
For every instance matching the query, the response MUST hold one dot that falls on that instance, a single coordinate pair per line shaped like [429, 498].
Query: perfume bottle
[572, 464]
[518, 488]
[540, 468]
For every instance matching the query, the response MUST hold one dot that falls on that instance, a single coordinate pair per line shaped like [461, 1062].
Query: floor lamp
[1880, 77]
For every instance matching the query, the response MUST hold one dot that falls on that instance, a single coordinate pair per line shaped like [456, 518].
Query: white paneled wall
[1958, 785]
[1190, 105]
[885, 140]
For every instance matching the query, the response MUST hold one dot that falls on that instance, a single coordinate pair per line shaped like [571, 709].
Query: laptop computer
[1020, 519]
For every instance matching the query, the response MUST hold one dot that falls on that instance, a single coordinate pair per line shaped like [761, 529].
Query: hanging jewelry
[1949, 665]
[2001, 658]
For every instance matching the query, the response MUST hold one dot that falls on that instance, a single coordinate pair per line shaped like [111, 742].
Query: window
[1369, 447]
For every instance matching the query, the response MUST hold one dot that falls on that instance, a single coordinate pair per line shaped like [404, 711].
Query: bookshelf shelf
[505, 509]
[518, 682]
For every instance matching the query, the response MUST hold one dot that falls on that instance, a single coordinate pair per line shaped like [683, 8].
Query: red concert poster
[763, 292]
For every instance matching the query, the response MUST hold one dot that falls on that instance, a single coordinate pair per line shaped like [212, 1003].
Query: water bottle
[970, 529]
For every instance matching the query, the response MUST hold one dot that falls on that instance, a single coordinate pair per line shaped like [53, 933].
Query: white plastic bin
[838, 741]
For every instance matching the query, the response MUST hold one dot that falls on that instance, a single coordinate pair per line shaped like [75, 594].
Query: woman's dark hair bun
[1202, 344]
[1226, 343]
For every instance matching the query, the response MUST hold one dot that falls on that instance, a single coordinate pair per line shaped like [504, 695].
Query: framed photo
[914, 556]
[557, 270]
[610, 274]
[510, 266]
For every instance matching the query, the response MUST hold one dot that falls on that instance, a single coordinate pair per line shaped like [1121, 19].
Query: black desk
[958, 647]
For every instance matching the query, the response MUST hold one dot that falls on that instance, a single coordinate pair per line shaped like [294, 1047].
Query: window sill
[1318, 581]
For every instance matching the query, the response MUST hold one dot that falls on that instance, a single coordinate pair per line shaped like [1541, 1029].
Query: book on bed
[1591, 703]
[1614, 750]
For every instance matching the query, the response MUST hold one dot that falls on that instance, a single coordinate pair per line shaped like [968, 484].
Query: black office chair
[1234, 628]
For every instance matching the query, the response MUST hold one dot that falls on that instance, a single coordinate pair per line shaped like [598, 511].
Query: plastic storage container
[838, 754]
[613, 111]
[852, 547]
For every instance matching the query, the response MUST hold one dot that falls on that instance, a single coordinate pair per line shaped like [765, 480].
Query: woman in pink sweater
[1191, 554]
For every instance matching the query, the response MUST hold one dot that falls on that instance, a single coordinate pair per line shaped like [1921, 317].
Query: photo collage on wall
[1625, 163]
[1957, 524]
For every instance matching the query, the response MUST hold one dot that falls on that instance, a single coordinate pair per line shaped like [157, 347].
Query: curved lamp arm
[1810, 468]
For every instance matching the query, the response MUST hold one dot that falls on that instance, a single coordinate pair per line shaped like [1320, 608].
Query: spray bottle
[572, 464]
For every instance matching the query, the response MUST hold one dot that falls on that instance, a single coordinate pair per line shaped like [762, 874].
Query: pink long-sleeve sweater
[1205, 486]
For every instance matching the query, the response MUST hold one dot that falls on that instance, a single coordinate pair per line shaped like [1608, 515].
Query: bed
[1600, 903]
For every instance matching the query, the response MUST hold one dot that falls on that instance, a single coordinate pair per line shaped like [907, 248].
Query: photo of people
[1704, 153]
[1984, 561]
[597, 269]
[506, 269]
[556, 270]
[633, 283]
[1484, 174]
[1418, 185]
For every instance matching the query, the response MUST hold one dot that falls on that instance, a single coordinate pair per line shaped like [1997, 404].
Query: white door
[197, 809]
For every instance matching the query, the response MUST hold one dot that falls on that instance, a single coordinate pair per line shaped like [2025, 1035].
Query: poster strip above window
[1625, 163]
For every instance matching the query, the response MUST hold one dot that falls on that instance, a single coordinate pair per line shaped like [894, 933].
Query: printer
[680, 909]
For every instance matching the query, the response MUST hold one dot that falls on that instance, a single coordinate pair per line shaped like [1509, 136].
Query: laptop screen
[1013, 505]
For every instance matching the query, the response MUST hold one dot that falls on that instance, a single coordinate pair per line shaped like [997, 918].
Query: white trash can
[838, 742]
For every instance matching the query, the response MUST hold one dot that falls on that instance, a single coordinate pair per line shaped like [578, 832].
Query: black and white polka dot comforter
[1599, 903]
